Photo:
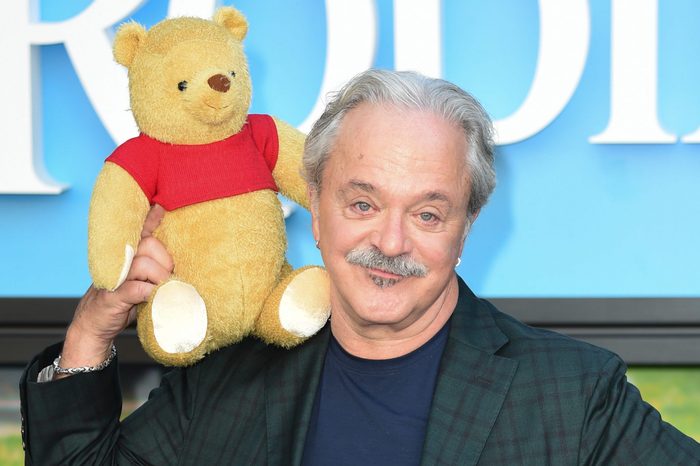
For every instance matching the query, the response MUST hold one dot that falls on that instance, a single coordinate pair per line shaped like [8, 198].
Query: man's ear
[472, 218]
[467, 228]
[313, 195]
[129, 38]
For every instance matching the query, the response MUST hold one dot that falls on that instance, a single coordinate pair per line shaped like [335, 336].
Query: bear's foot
[179, 317]
[305, 304]
[297, 308]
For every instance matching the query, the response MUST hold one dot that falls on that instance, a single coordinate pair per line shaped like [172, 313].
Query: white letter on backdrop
[21, 163]
[633, 76]
[200, 9]
[86, 41]
[564, 38]
[350, 47]
[418, 36]
[89, 46]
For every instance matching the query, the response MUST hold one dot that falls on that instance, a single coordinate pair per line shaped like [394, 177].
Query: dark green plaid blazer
[506, 394]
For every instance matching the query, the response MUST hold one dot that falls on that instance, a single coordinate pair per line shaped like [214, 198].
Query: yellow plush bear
[215, 169]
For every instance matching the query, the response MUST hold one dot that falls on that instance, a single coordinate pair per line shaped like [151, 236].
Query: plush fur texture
[231, 250]
[308, 283]
[115, 191]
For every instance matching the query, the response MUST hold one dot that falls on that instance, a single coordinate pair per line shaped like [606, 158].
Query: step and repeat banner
[596, 104]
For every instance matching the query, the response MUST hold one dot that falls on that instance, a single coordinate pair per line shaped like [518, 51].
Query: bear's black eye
[233, 74]
[182, 85]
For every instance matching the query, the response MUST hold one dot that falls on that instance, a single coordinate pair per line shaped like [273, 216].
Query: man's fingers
[147, 269]
[132, 315]
[133, 292]
[153, 248]
[155, 215]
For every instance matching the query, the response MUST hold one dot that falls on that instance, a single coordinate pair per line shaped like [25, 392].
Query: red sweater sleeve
[140, 160]
[264, 133]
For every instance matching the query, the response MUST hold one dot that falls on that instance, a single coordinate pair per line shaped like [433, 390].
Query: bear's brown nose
[219, 83]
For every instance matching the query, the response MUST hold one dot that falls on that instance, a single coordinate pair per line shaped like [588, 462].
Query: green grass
[11, 453]
[675, 392]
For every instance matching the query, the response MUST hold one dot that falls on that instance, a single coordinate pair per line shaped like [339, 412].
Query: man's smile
[384, 274]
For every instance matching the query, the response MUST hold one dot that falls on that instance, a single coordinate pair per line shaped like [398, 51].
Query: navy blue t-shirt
[373, 412]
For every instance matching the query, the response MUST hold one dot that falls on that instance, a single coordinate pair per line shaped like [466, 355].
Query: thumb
[155, 215]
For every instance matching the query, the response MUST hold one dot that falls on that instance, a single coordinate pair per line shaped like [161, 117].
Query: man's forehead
[358, 185]
[382, 147]
[390, 124]
[354, 185]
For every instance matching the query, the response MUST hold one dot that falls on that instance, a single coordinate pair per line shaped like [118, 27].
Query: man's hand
[101, 315]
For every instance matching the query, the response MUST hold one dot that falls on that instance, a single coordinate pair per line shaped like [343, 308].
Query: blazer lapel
[471, 387]
[290, 390]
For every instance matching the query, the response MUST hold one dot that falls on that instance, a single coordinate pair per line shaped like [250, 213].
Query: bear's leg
[172, 325]
[297, 308]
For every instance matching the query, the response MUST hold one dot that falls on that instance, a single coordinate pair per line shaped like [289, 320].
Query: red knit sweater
[177, 175]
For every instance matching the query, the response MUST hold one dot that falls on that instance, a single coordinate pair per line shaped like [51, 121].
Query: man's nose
[391, 236]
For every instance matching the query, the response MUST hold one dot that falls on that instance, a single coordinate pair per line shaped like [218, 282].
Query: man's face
[394, 186]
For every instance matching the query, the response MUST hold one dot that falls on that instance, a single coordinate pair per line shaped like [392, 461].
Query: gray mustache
[371, 258]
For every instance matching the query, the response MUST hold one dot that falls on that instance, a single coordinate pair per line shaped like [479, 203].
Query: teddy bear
[216, 170]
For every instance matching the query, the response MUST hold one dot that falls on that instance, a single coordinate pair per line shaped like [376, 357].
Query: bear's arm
[118, 209]
[287, 171]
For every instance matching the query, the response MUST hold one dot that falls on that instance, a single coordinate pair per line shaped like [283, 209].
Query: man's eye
[427, 217]
[362, 206]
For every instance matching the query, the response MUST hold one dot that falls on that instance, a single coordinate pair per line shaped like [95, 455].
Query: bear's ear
[130, 37]
[233, 20]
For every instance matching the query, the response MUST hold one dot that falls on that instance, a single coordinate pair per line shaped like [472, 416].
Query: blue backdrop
[569, 218]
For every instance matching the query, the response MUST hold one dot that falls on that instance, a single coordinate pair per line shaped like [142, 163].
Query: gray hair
[408, 89]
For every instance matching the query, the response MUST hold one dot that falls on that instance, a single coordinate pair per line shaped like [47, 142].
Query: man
[412, 369]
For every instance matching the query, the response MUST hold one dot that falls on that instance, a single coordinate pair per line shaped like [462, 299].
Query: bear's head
[188, 77]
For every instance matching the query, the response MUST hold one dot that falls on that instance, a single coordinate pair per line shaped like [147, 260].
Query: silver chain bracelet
[79, 370]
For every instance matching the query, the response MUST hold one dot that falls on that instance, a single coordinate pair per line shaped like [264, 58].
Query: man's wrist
[62, 369]
[56, 370]
[82, 349]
